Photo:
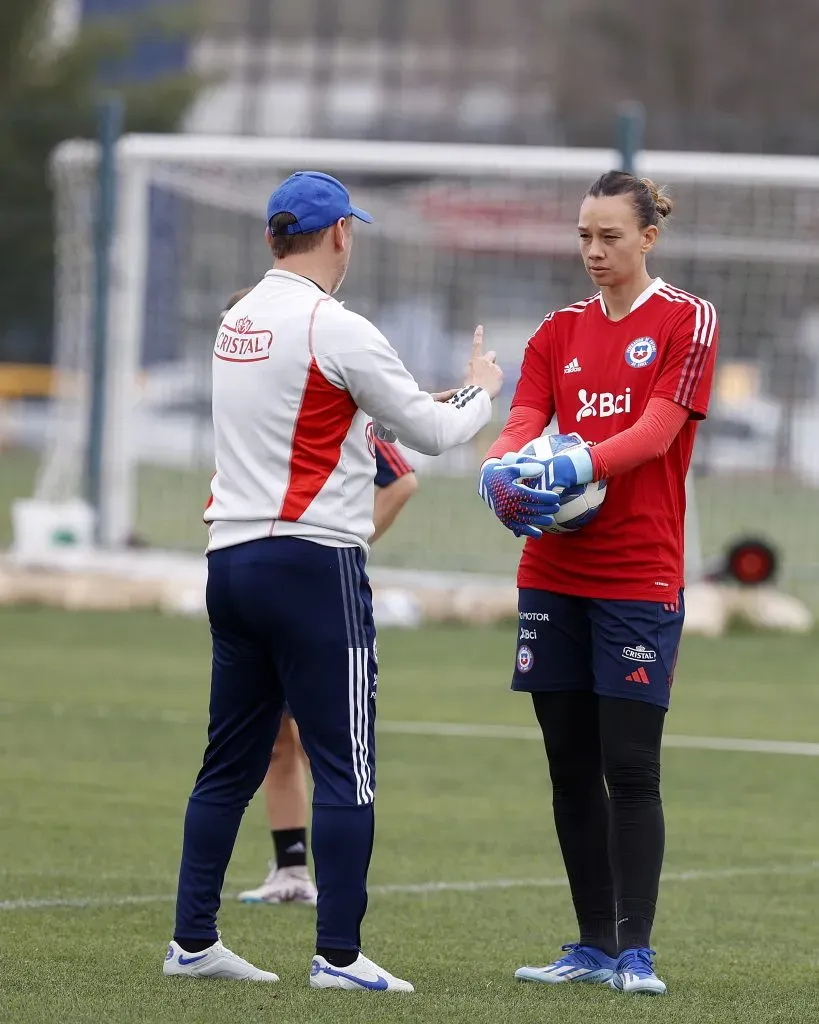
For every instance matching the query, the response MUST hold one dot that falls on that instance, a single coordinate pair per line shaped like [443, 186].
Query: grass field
[102, 722]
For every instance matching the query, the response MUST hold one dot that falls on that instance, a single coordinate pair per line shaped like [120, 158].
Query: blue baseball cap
[316, 200]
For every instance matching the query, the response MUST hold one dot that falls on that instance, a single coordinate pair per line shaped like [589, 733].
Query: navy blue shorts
[613, 648]
[390, 464]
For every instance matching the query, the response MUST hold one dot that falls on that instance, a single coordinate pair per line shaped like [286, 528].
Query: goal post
[462, 234]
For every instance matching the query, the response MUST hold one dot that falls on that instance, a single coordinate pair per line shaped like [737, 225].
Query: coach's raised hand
[482, 370]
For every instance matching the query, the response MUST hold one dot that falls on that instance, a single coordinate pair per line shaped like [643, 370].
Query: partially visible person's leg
[285, 791]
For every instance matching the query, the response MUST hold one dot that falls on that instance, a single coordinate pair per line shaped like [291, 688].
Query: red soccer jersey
[598, 375]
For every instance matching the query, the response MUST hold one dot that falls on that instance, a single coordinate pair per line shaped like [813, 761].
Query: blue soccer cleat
[581, 963]
[635, 973]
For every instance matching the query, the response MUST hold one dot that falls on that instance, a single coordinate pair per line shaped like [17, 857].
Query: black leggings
[604, 762]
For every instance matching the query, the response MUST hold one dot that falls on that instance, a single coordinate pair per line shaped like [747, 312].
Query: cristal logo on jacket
[602, 404]
[241, 343]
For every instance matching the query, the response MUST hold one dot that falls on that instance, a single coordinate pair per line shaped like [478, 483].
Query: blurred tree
[48, 93]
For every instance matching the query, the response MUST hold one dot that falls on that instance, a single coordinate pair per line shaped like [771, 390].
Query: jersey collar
[644, 296]
[298, 278]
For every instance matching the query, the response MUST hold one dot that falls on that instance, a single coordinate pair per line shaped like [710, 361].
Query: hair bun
[663, 203]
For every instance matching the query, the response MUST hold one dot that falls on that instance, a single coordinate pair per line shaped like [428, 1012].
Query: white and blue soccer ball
[578, 505]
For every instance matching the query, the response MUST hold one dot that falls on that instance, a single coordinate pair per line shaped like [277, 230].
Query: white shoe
[283, 885]
[361, 976]
[214, 962]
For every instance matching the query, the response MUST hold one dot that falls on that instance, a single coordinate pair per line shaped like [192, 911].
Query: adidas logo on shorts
[640, 676]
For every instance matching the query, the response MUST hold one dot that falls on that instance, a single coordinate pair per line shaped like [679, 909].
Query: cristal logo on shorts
[639, 653]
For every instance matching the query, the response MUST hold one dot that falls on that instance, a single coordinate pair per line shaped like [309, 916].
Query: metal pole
[110, 127]
[631, 123]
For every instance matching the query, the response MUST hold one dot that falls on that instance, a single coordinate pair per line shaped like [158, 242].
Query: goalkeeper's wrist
[599, 471]
[483, 484]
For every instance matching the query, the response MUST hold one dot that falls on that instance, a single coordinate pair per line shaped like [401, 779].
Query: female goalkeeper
[601, 611]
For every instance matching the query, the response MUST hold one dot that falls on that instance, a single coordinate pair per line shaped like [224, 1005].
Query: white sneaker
[363, 975]
[283, 885]
[214, 962]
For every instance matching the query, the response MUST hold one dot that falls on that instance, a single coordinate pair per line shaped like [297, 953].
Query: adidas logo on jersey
[603, 404]
[572, 367]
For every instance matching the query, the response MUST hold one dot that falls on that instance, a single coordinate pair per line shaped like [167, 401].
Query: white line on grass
[520, 732]
[744, 746]
[426, 888]
[463, 729]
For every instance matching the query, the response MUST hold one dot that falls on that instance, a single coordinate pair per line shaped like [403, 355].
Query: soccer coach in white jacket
[297, 381]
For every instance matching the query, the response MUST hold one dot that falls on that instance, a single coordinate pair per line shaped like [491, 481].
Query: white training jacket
[297, 382]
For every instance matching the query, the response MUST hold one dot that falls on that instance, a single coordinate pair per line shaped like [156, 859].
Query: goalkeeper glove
[521, 509]
[568, 470]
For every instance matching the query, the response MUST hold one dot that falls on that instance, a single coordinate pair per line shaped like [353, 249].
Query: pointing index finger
[477, 342]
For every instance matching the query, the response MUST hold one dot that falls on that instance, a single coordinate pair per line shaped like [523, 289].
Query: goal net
[462, 235]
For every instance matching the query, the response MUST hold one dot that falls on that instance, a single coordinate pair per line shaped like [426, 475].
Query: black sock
[633, 928]
[193, 945]
[337, 957]
[291, 847]
[631, 732]
[600, 933]
[569, 722]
